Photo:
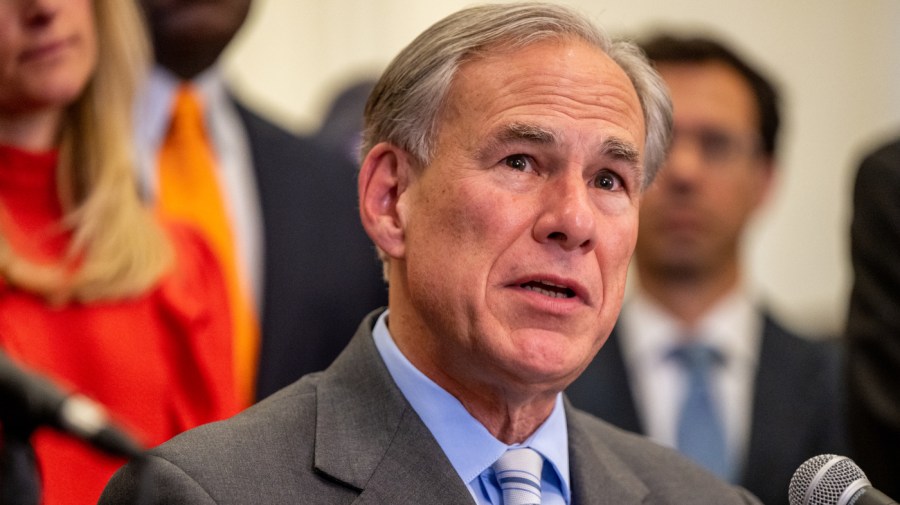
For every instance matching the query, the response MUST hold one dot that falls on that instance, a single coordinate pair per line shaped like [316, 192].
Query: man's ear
[383, 178]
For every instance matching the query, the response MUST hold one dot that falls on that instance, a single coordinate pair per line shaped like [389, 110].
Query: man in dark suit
[873, 323]
[311, 270]
[769, 396]
[507, 151]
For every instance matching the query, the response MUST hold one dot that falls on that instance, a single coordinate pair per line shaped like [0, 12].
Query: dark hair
[668, 48]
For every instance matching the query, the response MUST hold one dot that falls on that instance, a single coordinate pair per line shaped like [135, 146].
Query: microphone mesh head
[829, 486]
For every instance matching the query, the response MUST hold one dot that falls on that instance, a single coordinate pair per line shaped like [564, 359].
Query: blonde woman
[94, 292]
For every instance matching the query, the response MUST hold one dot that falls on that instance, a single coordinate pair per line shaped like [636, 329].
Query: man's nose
[683, 163]
[568, 216]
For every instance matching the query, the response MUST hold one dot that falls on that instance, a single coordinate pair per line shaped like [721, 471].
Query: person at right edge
[873, 322]
[508, 148]
[696, 361]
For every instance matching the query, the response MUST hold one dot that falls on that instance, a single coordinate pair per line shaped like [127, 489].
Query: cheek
[469, 217]
[737, 202]
[652, 196]
[617, 244]
[459, 236]
[651, 206]
[89, 36]
[6, 64]
[8, 50]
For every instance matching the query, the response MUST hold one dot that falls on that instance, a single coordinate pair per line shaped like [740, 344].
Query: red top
[161, 363]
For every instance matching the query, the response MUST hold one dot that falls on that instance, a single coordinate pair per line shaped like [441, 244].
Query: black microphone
[829, 479]
[31, 400]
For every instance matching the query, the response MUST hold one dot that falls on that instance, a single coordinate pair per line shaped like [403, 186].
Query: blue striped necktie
[701, 435]
[519, 473]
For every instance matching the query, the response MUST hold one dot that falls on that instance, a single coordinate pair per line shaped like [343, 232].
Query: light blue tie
[518, 472]
[701, 435]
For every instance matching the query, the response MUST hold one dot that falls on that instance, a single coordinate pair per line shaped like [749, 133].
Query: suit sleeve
[873, 322]
[151, 481]
[748, 497]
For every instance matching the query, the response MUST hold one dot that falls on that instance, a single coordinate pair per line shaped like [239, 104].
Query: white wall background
[837, 63]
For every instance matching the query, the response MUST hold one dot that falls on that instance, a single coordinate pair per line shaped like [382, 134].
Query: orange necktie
[189, 190]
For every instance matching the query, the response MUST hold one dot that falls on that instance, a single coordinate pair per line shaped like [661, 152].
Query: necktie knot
[518, 472]
[187, 113]
[697, 358]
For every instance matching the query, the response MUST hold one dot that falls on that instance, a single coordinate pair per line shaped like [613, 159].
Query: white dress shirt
[231, 147]
[647, 333]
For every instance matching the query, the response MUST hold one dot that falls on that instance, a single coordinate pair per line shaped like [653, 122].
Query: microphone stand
[19, 479]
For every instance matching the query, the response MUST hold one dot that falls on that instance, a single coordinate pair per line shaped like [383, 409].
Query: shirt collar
[732, 326]
[153, 109]
[450, 422]
[153, 106]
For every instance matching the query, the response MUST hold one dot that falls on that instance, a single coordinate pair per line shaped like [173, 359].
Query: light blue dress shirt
[468, 445]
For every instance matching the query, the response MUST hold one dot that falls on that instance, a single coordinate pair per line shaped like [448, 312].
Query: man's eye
[608, 181]
[517, 162]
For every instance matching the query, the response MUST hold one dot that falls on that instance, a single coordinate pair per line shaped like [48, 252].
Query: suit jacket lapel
[598, 476]
[369, 438]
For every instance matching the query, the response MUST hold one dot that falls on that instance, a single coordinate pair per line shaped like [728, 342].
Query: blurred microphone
[33, 400]
[828, 479]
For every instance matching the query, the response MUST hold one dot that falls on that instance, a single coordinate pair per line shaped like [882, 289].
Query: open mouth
[548, 289]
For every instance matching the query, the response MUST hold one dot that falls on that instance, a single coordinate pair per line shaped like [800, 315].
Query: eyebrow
[513, 133]
[523, 131]
[626, 152]
[621, 150]
[614, 147]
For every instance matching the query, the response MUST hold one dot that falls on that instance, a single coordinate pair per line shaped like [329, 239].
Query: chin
[549, 359]
[57, 96]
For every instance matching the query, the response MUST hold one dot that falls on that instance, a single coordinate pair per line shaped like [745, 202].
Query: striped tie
[519, 474]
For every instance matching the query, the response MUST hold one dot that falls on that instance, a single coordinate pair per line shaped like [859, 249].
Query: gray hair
[405, 106]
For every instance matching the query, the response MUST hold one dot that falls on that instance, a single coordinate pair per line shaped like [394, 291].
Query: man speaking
[507, 149]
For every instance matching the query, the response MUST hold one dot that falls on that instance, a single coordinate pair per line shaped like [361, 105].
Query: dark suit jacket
[796, 405]
[321, 273]
[873, 323]
[348, 435]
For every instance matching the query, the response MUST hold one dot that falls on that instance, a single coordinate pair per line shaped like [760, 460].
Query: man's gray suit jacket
[348, 435]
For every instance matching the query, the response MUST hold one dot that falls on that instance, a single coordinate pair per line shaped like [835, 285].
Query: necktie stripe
[506, 481]
[518, 473]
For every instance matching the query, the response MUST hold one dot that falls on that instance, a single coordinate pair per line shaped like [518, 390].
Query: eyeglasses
[718, 147]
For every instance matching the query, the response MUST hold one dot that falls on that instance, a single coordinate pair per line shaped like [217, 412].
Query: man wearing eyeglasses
[695, 362]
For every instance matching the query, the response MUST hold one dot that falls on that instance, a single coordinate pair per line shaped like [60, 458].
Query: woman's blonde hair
[117, 250]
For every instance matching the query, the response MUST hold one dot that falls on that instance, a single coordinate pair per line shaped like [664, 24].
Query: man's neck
[509, 411]
[510, 416]
[688, 297]
[187, 69]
